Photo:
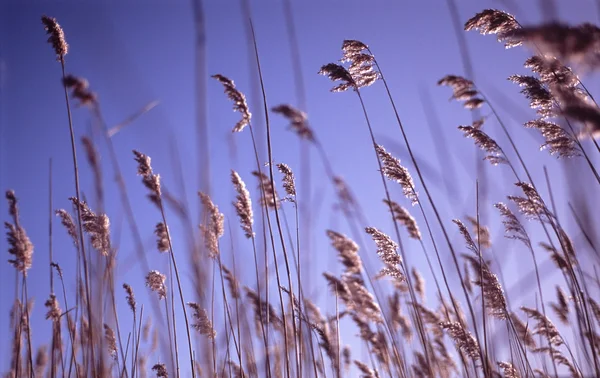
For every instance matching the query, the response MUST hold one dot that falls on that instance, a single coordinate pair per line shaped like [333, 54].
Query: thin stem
[187, 325]
[270, 156]
[79, 221]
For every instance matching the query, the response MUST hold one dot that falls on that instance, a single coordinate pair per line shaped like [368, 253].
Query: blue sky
[136, 53]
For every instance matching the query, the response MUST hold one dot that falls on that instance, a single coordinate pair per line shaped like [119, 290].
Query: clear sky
[136, 52]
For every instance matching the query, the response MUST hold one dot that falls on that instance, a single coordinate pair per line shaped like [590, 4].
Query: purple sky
[133, 54]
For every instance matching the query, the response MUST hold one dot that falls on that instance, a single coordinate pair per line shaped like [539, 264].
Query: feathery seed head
[463, 339]
[20, 245]
[97, 226]
[111, 341]
[347, 251]
[54, 311]
[80, 90]
[149, 179]
[288, 181]
[513, 228]
[543, 326]
[403, 216]
[573, 45]
[493, 21]
[69, 224]
[203, 323]
[336, 72]
[56, 37]
[392, 169]
[161, 370]
[239, 102]
[243, 204]
[162, 237]
[130, 297]
[494, 153]
[462, 90]
[269, 194]
[387, 251]
[558, 141]
[298, 120]
[214, 229]
[156, 282]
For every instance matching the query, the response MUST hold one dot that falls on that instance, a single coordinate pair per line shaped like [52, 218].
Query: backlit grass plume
[463, 339]
[214, 228]
[404, 218]
[289, 182]
[552, 72]
[239, 102]
[298, 120]
[162, 237]
[462, 90]
[493, 21]
[573, 45]
[151, 181]
[243, 204]
[156, 282]
[203, 323]
[387, 249]
[495, 155]
[80, 90]
[543, 326]
[393, 170]
[56, 37]
[265, 186]
[347, 251]
[21, 247]
[513, 228]
[539, 97]
[97, 226]
[558, 141]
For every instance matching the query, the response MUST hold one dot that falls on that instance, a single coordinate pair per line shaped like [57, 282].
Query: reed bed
[250, 311]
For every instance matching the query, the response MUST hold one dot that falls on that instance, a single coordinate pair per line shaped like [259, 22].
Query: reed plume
[130, 297]
[161, 370]
[162, 237]
[387, 249]
[156, 282]
[347, 251]
[243, 204]
[495, 301]
[270, 197]
[80, 90]
[289, 183]
[509, 370]
[56, 37]
[111, 341]
[543, 326]
[463, 339]
[462, 90]
[150, 180]
[393, 170]
[97, 226]
[298, 120]
[558, 141]
[495, 155]
[214, 229]
[20, 245]
[493, 21]
[574, 45]
[203, 323]
[239, 102]
[539, 97]
[402, 215]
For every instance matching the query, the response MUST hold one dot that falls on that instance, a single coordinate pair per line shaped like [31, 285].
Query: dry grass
[400, 329]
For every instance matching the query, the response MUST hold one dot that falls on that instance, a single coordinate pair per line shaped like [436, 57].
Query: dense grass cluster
[271, 327]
